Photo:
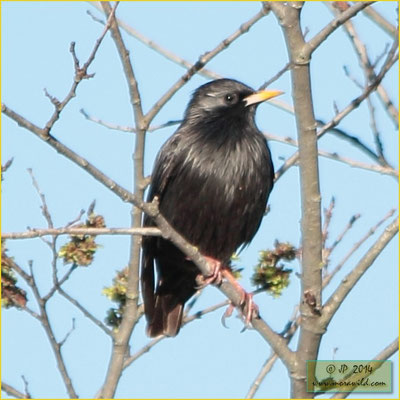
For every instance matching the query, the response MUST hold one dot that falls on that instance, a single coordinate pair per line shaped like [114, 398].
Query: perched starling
[212, 179]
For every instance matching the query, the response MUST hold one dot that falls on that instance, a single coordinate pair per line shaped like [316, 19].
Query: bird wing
[162, 172]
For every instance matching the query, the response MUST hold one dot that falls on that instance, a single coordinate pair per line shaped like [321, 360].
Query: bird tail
[176, 283]
[167, 316]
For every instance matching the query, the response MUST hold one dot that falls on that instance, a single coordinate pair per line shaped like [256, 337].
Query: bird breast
[217, 194]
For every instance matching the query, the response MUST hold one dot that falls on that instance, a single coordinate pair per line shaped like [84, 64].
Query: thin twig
[355, 247]
[391, 59]
[128, 129]
[155, 46]
[129, 360]
[81, 73]
[34, 233]
[366, 64]
[266, 368]
[320, 37]
[12, 391]
[44, 319]
[45, 209]
[57, 283]
[84, 311]
[334, 156]
[337, 298]
[340, 237]
[382, 22]
[328, 212]
[202, 61]
[386, 353]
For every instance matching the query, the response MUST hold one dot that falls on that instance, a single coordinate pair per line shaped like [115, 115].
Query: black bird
[212, 179]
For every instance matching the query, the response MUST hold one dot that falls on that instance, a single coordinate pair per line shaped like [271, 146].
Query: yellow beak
[259, 97]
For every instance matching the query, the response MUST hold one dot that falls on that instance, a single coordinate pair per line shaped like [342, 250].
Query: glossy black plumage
[213, 178]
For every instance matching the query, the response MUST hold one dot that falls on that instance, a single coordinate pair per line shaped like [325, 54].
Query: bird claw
[215, 277]
[249, 308]
[246, 305]
[228, 312]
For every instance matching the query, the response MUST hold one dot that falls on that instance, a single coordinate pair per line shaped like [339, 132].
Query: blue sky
[205, 360]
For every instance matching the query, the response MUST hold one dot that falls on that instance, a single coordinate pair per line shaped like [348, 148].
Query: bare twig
[356, 246]
[128, 129]
[67, 335]
[129, 360]
[366, 64]
[328, 212]
[84, 311]
[337, 298]
[320, 37]
[202, 61]
[391, 59]
[376, 17]
[81, 73]
[155, 46]
[386, 353]
[45, 209]
[276, 76]
[329, 250]
[43, 318]
[12, 391]
[266, 368]
[337, 157]
[5, 167]
[34, 233]
[57, 283]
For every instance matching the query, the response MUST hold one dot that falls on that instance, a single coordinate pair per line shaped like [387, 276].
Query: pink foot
[246, 305]
[216, 274]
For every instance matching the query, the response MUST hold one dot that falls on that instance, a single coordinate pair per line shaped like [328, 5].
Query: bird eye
[230, 98]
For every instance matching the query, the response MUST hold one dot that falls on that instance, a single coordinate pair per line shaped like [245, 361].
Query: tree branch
[12, 391]
[34, 233]
[131, 308]
[81, 73]
[45, 322]
[169, 55]
[356, 246]
[367, 66]
[334, 156]
[337, 298]
[202, 61]
[389, 28]
[311, 231]
[320, 37]
[386, 353]
[391, 59]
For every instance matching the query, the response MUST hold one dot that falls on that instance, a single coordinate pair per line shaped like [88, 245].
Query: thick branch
[131, 307]
[311, 283]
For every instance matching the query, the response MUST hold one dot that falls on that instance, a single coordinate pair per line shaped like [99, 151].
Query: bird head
[224, 98]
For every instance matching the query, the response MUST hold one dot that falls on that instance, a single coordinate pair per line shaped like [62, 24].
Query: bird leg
[220, 272]
[247, 305]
